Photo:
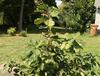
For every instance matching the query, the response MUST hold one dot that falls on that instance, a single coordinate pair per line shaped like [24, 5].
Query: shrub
[55, 56]
[23, 33]
[11, 31]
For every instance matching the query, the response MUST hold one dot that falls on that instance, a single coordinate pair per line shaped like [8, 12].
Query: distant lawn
[13, 47]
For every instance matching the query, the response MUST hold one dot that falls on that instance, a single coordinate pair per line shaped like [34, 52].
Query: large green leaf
[39, 21]
[54, 12]
[50, 23]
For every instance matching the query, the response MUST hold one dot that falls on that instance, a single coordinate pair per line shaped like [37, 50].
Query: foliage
[50, 23]
[77, 14]
[47, 16]
[55, 56]
[11, 11]
[53, 11]
[11, 31]
[39, 21]
[23, 34]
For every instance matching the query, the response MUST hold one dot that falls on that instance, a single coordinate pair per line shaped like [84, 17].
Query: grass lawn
[13, 47]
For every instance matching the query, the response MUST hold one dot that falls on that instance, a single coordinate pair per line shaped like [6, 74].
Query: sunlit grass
[11, 47]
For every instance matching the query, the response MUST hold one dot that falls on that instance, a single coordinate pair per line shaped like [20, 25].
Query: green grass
[90, 44]
[11, 47]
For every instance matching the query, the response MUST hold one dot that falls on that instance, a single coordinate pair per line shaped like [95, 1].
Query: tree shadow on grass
[60, 30]
[54, 30]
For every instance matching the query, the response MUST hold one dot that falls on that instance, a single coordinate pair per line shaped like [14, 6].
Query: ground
[11, 47]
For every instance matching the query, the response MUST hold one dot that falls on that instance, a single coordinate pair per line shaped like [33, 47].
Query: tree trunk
[20, 25]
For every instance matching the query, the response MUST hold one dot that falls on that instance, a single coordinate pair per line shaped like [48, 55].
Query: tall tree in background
[21, 16]
[10, 9]
[77, 14]
[13, 11]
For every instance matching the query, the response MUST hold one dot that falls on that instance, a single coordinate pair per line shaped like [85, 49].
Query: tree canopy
[74, 14]
[77, 14]
[10, 11]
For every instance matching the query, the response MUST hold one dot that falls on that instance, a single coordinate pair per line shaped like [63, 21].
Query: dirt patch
[2, 72]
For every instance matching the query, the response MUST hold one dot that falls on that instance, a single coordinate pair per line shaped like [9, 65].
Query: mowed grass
[90, 44]
[12, 47]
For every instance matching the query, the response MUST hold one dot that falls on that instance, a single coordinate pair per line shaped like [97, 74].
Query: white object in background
[97, 18]
[58, 2]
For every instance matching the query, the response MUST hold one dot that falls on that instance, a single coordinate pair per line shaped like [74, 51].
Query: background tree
[21, 16]
[77, 14]
[11, 11]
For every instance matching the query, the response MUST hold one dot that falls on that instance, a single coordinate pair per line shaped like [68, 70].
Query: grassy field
[13, 47]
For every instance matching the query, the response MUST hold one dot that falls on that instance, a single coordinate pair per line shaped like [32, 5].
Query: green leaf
[82, 74]
[39, 21]
[54, 12]
[63, 45]
[50, 23]
[68, 46]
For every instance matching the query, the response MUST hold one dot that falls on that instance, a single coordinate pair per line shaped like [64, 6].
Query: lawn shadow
[98, 32]
[60, 30]
[54, 30]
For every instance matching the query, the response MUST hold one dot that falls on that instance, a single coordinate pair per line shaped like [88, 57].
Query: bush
[55, 56]
[11, 31]
[23, 33]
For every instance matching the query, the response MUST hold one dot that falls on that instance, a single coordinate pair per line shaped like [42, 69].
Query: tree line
[74, 14]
